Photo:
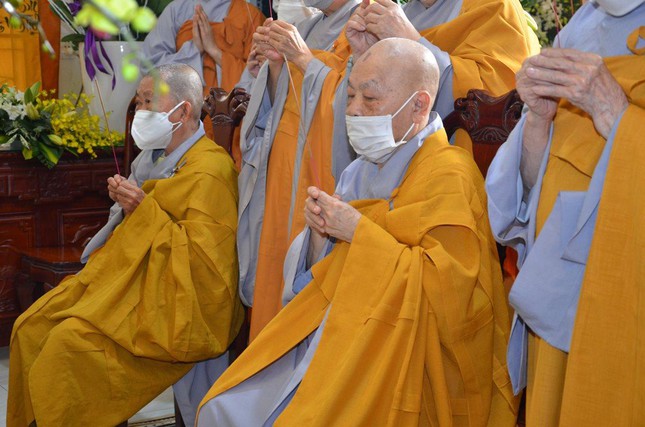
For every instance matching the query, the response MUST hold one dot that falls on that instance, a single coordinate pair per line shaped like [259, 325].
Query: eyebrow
[372, 83]
[144, 94]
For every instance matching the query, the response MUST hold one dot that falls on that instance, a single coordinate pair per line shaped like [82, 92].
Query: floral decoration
[46, 127]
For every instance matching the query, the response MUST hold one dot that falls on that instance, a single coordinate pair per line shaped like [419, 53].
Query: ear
[187, 110]
[422, 106]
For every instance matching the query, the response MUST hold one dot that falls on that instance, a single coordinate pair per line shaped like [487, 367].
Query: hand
[286, 39]
[329, 215]
[262, 46]
[583, 79]
[356, 31]
[255, 61]
[197, 38]
[129, 196]
[113, 185]
[543, 108]
[385, 19]
[206, 35]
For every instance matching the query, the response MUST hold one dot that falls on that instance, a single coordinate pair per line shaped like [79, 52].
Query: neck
[187, 130]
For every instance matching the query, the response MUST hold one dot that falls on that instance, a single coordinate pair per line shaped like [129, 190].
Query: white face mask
[372, 137]
[619, 7]
[152, 129]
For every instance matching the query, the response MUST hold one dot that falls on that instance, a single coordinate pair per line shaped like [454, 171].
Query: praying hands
[125, 193]
[203, 38]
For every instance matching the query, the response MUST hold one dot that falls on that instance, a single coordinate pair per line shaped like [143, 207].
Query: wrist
[302, 61]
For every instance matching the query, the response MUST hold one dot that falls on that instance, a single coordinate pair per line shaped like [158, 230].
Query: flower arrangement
[46, 127]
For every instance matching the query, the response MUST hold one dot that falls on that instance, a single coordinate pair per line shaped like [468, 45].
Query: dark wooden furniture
[488, 120]
[45, 218]
[226, 111]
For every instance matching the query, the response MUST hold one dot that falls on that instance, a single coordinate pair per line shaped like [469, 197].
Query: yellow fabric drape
[600, 382]
[19, 50]
[160, 295]
[418, 321]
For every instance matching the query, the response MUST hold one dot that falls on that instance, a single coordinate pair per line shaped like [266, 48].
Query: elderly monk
[159, 295]
[562, 193]
[477, 43]
[405, 321]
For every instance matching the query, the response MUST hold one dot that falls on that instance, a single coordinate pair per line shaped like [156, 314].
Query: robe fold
[158, 296]
[416, 317]
[592, 376]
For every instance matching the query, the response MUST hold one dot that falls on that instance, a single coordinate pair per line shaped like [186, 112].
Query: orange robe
[234, 36]
[600, 381]
[486, 56]
[417, 318]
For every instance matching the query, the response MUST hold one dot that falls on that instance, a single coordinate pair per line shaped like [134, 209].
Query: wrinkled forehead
[147, 91]
[369, 74]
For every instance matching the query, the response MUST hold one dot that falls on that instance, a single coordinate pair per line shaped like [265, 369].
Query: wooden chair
[487, 119]
[226, 111]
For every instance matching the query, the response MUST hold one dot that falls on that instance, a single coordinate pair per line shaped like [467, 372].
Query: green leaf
[27, 154]
[51, 154]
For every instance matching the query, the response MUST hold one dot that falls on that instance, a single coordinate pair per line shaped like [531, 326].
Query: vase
[106, 101]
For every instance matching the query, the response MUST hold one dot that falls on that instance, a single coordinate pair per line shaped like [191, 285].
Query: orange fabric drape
[234, 36]
[19, 50]
[49, 65]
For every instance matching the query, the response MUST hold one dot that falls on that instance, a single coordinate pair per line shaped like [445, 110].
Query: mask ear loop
[180, 123]
[399, 110]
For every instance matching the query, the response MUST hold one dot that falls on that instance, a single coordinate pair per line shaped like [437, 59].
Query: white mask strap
[405, 103]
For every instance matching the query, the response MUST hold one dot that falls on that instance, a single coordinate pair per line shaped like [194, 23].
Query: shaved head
[404, 64]
[395, 73]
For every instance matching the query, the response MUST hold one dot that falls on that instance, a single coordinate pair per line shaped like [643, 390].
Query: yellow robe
[418, 320]
[158, 296]
[600, 382]
[487, 43]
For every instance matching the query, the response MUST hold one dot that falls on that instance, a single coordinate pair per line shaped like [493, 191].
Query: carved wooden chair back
[226, 111]
[487, 119]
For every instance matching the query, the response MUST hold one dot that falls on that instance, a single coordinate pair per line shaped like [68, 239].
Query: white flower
[15, 111]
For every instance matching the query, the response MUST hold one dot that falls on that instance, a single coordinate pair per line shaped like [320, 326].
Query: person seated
[561, 192]
[156, 296]
[478, 44]
[405, 321]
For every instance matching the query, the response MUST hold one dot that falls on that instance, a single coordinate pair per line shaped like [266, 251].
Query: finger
[311, 206]
[283, 25]
[571, 54]
[313, 192]
[267, 22]
[356, 24]
[386, 4]
[377, 9]
[315, 222]
[325, 201]
[540, 75]
[337, 196]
